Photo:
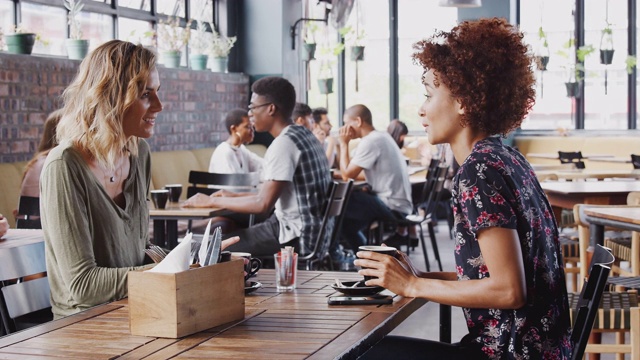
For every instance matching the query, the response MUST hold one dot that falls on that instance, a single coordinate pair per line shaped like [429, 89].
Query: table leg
[172, 234]
[445, 323]
[159, 232]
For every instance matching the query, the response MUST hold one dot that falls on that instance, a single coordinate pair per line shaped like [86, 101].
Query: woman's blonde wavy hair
[109, 80]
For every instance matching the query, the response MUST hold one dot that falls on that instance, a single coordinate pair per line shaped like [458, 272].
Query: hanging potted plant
[220, 49]
[575, 69]
[199, 46]
[355, 39]
[21, 41]
[328, 54]
[542, 51]
[171, 39]
[606, 45]
[309, 46]
[77, 47]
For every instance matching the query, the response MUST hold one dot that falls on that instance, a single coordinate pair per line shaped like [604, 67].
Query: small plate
[357, 291]
[253, 286]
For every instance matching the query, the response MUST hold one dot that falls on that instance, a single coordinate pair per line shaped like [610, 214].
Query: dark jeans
[406, 348]
[362, 209]
[259, 240]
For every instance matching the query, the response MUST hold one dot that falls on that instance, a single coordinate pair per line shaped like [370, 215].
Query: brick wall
[194, 104]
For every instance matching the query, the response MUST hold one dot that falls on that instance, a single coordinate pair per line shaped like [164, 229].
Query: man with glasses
[296, 178]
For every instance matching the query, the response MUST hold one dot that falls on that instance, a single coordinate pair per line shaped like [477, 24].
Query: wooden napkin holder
[181, 304]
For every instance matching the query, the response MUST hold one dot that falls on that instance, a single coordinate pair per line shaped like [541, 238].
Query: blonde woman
[94, 185]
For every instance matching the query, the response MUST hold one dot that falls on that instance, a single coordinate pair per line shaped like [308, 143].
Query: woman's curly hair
[487, 67]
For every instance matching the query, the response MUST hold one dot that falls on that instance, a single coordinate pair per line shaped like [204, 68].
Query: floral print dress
[496, 187]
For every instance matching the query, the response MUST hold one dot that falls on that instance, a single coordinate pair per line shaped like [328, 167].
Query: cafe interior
[580, 137]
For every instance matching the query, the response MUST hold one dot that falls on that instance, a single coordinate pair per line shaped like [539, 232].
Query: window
[136, 4]
[373, 71]
[553, 108]
[45, 21]
[606, 108]
[136, 31]
[417, 20]
[323, 71]
[6, 16]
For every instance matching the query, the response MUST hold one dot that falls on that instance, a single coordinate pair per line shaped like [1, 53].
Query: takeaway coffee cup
[159, 198]
[388, 250]
[251, 265]
[175, 190]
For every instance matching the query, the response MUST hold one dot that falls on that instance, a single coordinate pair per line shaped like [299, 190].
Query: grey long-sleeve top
[90, 242]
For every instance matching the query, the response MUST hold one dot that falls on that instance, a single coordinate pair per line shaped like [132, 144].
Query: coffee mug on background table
[251, 265]
[175, 190]
[388, 250]
[159, 198]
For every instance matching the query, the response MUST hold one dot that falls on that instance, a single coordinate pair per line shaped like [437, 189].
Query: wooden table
[294, 325]
[555, 156]
[165, 221]
[619, 217]
[578, 174]
[568, 193]
[618, 160]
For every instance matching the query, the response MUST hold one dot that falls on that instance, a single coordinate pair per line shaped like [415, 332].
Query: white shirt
[280, 163]
[228, 159]
[385, 169]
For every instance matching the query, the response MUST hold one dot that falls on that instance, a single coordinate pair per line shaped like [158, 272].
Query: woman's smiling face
[140, 118]
[440, 112]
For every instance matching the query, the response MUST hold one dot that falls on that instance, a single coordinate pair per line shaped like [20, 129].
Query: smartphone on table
[359, 300]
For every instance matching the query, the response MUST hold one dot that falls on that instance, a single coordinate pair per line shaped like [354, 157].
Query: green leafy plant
[542, 35]
[171, 36]
[310, 30]
[630, 63]
[576, 69]
[353, 36]
[74, 7]
[199, 44]
[221, 45]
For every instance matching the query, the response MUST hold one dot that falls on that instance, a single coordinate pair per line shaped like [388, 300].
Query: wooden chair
[625, 248]
[337, 200]
[24, 303]
[635, 161]
[28, 213]
[571, 157]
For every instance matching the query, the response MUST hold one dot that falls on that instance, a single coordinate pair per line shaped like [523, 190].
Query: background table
[294, 325]
[165, 221]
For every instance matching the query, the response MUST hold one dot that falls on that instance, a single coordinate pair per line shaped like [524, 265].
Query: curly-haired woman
[509, 278]
[94, 184]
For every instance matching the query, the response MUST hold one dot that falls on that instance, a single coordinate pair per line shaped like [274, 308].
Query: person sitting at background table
[296, 178]
[388, 194]
[301, 115]
[398, 131]
[322, 131]
[95, 182]
[4, 225]
[509, 278]
[231, 156]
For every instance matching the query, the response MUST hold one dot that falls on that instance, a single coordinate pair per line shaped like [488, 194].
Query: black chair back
[28, 208]
[337, 200]
[234, 182]
[589, 300]
[635, 161]
[571, 157]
